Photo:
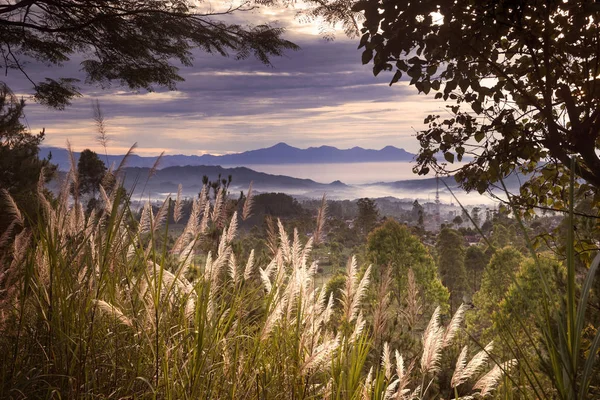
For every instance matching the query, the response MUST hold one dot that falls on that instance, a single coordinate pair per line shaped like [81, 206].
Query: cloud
[318, 95]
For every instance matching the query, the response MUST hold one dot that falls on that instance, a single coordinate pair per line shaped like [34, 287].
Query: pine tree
[451, 263]
[20, 166]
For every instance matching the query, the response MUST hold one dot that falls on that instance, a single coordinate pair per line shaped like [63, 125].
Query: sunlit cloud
[320, 95]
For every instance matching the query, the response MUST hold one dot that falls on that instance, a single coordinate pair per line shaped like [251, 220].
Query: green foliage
[498, 275]
[136, 45]
[475, 262]
[523, 300]
[91, 171]
[20, 166]
[393, 245]
[451, 264]
[102, 307]
[457, 220]
[521, 79]
[368, 215]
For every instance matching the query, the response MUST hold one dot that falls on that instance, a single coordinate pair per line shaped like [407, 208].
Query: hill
[281, 153]
[167, 180]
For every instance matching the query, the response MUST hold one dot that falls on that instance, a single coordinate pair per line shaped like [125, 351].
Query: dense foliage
[527, 72]
[20, 167]
[118, 314]
[128, 42]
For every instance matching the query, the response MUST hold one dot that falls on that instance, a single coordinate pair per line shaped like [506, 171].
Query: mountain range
[166, 180]
[281, 153]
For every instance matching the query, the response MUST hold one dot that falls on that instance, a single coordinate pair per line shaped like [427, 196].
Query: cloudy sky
[320, 95]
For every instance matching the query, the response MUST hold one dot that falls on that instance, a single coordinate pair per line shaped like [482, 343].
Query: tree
[475, 262]
[451, 265]
[126, 41]
[527, 72]
[524, 299]
[91, 171]
[368, 215]
[20, 166]
[475, 216]
[458, 221]
[393, 245]
[417, 210]
[498, 275]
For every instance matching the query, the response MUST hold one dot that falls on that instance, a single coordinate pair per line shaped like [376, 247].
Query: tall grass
[557, 339]
[99, 306]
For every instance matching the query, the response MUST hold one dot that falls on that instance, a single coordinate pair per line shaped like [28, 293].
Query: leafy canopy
[392, 245]
[451, 264]
[91, 170]
[134, 43]
[20, 166]
[522, 79]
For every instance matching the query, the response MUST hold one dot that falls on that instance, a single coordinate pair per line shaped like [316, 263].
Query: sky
[319, 95]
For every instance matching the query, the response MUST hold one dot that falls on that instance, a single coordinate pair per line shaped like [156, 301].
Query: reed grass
[100, 306]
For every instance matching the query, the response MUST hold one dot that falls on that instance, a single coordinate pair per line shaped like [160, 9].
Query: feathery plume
[296, 249]
[266, 279]
[178, 205]
[386, 360]
[321, 355]
[354, 290]
[4, 239]
[112, 311]
[306, 251]
[233, 225]
[328, 311]
[74, 177]
[272, 241]
[413, 308]
[474, 365]
[125, 158]
[358, 328]
[366, 387]
[348, 290]
[161, 215]
[155, 166]
[11, 207]
[186, 259]
[454, 324]
[216, 214]
[273, 317]
[208, 266]
[402, 375]
[360, 292]
[102, 137]
[107, 202]
[145, 219]
[171, 280]
[205, 218]
[461, 362]
[247, 209]
[233, 268]
[285, 243]
[380, 314]
[433, 339]
[321, 216]
[249, 266]
[390, 389]
[191, 228]
[490, 381]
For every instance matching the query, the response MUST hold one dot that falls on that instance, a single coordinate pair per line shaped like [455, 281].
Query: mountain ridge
[278, 154]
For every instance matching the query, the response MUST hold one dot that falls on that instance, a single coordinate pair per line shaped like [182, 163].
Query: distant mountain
[167, 180]
[426, 184]
[281, 153]
[513, 183]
